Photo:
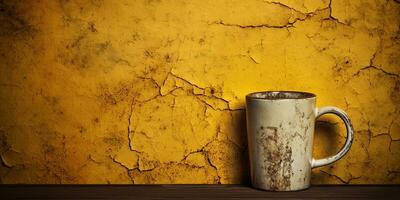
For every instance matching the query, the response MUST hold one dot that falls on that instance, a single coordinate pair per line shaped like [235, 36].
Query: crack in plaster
[215, 167]
[93, 160]
[198, 97]
[129, 128]
[205, 153]
[341, 179]
[204, 95]
[332, 17]
[390, 137]
[124, 166]
[373, 67]
[288, 24]
[378, 69]
[284, 5]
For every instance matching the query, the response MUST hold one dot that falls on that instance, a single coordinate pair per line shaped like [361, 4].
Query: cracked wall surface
[152, 91]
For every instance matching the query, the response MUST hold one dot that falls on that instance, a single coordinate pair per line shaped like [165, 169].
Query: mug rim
[303, 95]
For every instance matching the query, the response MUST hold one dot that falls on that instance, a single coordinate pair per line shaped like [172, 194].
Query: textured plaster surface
[152, 91]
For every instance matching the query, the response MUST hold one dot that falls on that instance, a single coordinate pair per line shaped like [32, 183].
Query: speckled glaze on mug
[280, 129]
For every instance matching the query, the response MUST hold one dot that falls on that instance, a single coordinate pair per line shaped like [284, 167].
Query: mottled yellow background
[104, 91]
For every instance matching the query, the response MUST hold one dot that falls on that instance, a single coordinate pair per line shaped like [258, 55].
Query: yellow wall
[104, 91]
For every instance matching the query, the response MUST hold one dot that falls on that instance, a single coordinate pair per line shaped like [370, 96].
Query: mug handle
[349, 139]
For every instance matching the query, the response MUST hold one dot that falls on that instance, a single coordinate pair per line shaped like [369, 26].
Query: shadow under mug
[280, 131]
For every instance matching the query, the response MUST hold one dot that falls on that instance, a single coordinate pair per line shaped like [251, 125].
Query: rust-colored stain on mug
[102, 91]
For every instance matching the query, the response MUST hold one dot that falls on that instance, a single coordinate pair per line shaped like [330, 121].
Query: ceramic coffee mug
[280, 129]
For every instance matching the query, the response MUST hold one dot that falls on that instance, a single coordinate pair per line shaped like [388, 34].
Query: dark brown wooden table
[193, 192]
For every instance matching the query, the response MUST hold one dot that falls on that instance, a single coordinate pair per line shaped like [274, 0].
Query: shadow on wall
[245, 163]
[328, 139]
